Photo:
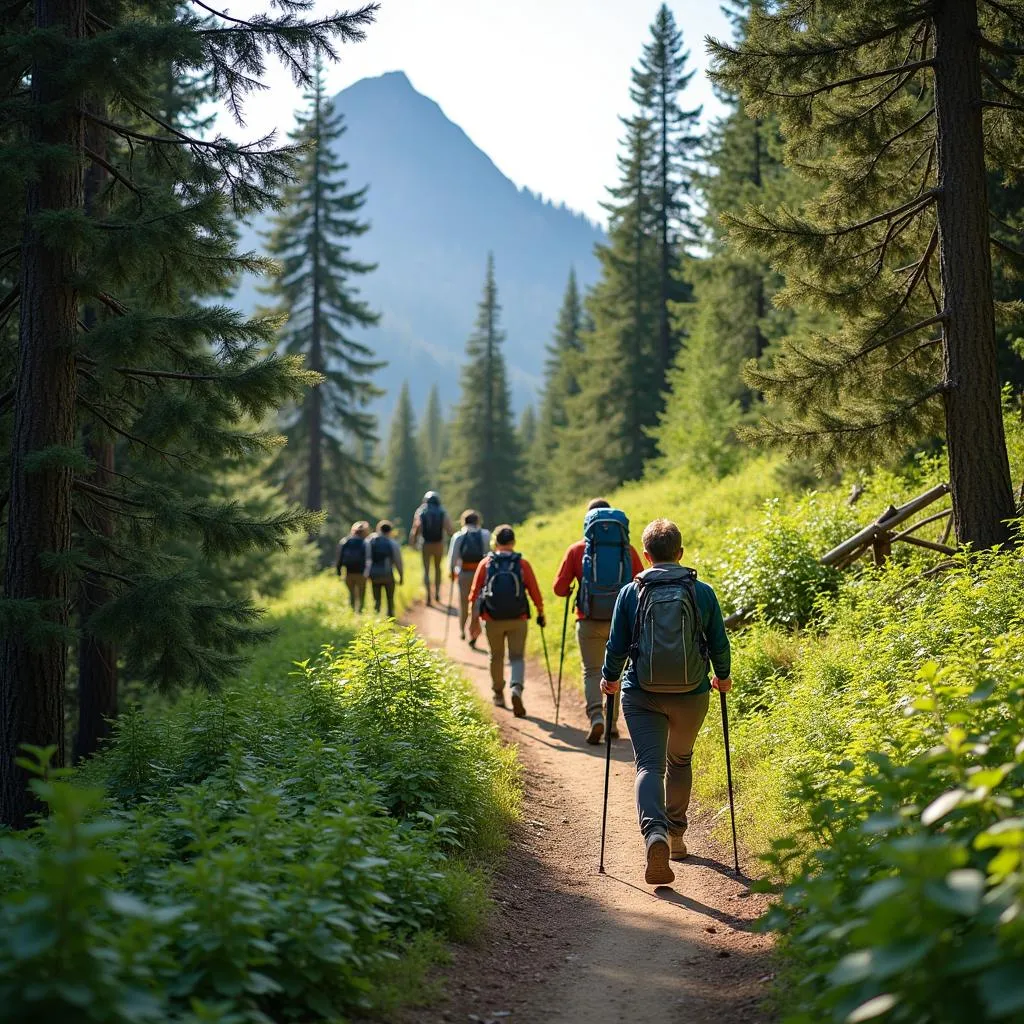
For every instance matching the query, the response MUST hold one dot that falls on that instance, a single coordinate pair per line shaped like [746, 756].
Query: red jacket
[571, 570]
[529, 581]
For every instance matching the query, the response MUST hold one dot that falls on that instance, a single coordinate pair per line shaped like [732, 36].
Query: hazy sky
[537, 84]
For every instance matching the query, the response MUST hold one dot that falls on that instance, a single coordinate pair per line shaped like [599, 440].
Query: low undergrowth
[291, 848]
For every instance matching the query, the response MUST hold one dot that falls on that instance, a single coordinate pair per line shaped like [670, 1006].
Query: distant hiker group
[654, 635]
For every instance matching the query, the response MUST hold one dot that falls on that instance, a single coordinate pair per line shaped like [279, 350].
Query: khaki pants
[499, 633]
[592, 636]
[663, 728]
[433, 552]
[465, 586]
[356, 583]
[386, 587]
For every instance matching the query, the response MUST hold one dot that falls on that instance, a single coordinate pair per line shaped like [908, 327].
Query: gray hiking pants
[663, 728]
[465, 586]
[499, 633]
[592, 636]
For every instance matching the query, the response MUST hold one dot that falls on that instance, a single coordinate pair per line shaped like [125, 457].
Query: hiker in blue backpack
[352, 558]
[598, 566]
[430, 526]
[468, 549]
[383, 558]
[669, 627]
[501, 585]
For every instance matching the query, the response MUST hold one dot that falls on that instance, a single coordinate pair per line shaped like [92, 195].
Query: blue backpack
[607, 562]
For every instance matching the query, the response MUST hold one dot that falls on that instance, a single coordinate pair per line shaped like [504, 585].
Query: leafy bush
[264, 853]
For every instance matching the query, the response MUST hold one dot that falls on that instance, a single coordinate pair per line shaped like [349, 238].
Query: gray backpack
[670, 647]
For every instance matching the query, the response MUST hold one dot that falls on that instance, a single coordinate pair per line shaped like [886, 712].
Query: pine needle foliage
[404, 480]
[329, 431]
[112, 345]
[896, 110]
[484, 468]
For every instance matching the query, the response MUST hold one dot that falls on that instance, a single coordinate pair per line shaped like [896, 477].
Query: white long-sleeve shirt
[455, 550]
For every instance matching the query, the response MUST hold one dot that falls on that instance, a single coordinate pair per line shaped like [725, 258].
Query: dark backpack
[504, 596]
[471, 550]
[353, 554]
[432, 523]
[607, 562]
[380, 556]
[670, 646]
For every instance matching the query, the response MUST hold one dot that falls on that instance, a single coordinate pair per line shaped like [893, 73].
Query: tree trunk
[315, 482]
[979, 471]
[33, 657]
[664, 330]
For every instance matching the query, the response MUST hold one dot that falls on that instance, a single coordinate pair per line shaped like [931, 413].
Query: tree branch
[904, 69]
[112, 171]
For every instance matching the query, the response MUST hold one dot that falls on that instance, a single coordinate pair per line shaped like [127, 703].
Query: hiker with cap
[352, 558]
[668, 625]
[430, 527]
[501, 585]
[383, 559]
[599, 566]
[468, 549]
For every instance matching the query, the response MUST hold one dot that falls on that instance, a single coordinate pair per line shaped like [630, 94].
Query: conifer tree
[175, 382]
[527, 429]
[899, 110]
[323, 463]
[561, 382]
[658, 83]
[484, 469]
[433, 438]
[404, 481]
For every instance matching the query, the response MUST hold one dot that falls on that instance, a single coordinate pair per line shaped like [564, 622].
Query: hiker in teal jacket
[664, 722]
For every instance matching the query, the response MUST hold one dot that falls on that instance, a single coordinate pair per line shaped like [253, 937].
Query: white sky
[537, 84]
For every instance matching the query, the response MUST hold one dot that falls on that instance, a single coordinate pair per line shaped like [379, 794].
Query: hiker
[352, 558]
[467, 551]
[669, 626]
[430, 526]
[499, 596]
[600, 565]
[383, 557]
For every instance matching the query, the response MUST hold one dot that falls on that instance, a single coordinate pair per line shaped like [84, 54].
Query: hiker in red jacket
[591, 633]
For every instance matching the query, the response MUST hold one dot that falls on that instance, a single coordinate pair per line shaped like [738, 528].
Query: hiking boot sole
[518, 708]
[595, 734]
[498, 700]
[659, 870]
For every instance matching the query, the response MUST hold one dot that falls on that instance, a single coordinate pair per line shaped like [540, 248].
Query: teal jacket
[620, 640]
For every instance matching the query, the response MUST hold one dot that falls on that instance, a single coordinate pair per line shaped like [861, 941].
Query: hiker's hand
[722, 685]
[541, 621]
[608, 687]
[474, 628]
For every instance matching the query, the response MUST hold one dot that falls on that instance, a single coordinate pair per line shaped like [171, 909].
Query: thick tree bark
[979, 471]
[33, 661]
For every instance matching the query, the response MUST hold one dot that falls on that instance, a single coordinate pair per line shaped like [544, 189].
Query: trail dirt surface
[569, 944]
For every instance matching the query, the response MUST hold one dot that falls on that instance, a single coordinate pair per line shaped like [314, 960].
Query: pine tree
[171, 381]
[323, 463]
[404, 481]
[658, 83]
[561, 382]
[484, 469]
[433, 439]
[900, 111]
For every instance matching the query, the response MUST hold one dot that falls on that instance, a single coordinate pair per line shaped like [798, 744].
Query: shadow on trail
[669, 894]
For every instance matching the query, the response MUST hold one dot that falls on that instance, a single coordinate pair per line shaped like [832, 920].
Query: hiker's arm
[337, 564]
[448, 528]
[530, 580]
[369, 558]
[478, 584]
[414, 533]
[454, 551]
[397, 548]
[638, 565]
[566, 575]
[718, 640]
[620, 639]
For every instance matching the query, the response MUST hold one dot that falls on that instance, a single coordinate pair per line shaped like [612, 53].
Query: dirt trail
[568, 944]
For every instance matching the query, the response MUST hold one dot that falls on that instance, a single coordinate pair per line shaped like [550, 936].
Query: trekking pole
[561, 656]
[607, 772]
[728, 774]
[547, 661]
[448, 612]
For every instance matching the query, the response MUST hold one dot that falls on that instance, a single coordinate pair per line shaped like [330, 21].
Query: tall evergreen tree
[658, 84]
[561, 382]
[323, 463]
[404, 480]
[900, 111]
[433, 438]
[484, 469]
[172, 381]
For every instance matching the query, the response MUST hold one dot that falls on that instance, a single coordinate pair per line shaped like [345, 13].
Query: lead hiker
[352, 558]
[669, 626]
[430, 526]
[599, 566]
[468, 549]
[383, 557]
[501, 584]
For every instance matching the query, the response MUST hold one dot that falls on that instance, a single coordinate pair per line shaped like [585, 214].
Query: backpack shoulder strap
[702, 636]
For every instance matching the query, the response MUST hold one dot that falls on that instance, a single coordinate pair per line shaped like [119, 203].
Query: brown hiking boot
[518, 708]
[677, 847]
[498, 698]
[659, 871]
[596, 732]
